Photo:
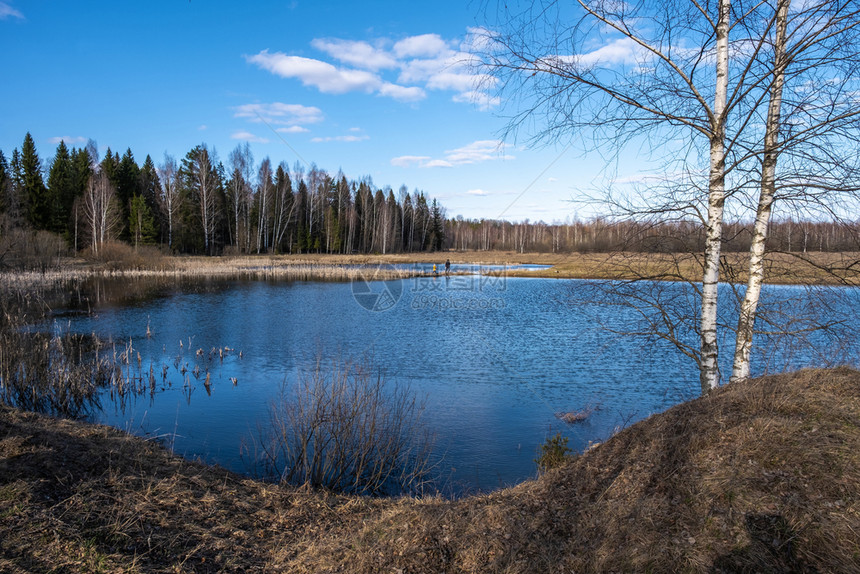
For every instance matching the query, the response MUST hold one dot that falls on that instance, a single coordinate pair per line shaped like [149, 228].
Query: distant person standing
[435, 272]
[447, 266]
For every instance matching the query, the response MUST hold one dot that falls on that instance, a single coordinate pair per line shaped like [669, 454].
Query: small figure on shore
[435, 272]
[447, 266]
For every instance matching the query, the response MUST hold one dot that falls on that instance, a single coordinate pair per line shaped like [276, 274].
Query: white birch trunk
[709, 370]
[746, 320]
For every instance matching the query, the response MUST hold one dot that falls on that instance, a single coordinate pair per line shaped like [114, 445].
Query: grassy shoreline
[759, 476]
[782, 268]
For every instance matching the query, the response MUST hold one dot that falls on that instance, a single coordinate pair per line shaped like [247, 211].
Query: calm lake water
[495, 357]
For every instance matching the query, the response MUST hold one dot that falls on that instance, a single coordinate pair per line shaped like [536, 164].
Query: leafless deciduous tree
[241, 163]
[100, 209]
[810, 119]
[202, 181]
[169, 201]
[703, 83]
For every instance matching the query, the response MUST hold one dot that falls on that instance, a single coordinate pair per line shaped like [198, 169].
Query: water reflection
[496, 357]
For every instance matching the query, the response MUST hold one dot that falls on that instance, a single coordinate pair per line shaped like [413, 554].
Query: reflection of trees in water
[798, 326]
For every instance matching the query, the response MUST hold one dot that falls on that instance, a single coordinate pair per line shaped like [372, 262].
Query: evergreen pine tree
[110, 165]
[16, 179]
[150, 189]
[141, 222]
[61, 189]
[82, 168]
[127, 186]
[5, 182]
[33, 190]
[437, 227]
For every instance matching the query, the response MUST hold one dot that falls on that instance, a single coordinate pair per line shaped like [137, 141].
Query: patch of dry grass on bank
[762, 476]
[783, 268]
[814, 268]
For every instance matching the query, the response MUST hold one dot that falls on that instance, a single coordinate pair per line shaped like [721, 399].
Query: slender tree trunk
[709, 368]
[746, 321]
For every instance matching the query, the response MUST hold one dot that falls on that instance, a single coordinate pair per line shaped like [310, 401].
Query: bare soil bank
[762, 476]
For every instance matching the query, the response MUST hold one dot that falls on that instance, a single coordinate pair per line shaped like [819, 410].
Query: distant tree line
[200, 205]
[604, 235]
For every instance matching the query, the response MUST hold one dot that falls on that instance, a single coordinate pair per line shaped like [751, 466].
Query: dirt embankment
[762, 476]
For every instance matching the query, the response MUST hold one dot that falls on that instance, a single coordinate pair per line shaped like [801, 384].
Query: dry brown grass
[781, 268]
[762, 476]
[122, 261]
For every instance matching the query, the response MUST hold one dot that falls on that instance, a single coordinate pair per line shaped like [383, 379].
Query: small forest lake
[496, 358]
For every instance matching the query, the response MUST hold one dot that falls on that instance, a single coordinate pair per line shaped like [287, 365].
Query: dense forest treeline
[601, 235]
[199, 205]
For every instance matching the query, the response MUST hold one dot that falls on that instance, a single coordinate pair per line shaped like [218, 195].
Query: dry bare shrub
[343, 427]
[119, 256]
[28, 250]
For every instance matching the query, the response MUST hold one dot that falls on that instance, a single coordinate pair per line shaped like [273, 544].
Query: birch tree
[101, 210]
[638, 83]
[264, 193]
[662, 74]
[202, 182]
[284, 205]
[814, 72]
[170, 197]
[241, 161]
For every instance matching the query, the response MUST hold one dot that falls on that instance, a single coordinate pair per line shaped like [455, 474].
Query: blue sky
[371, 88]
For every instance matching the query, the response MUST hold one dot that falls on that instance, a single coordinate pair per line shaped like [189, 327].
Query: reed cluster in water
[54, 373]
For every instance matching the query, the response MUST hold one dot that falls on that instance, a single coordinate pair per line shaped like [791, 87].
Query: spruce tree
[61, 189]
[437, 227]
[16, 179]
[110, 165]
[127, 186]
[141, 222]
[4, 183]
[34, 193]
[150, 189]
[82, 167]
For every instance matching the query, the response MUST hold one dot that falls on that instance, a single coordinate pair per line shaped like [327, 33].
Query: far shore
[812, 268]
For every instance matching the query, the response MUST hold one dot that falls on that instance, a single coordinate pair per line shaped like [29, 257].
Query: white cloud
[402, 93]
[358, 54]
[423, 46]
[419, 63]
[68, 139]
[409, 160]
[477, 192]
[292, 130]
[321, 75]
[248, 137]
[330, 79]
[476, 152]
[6, 12]
[340, 139]
[280, 114]
[438, 163]
[202, 127]
[552, 179]
[483, 100]
[622, 51]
